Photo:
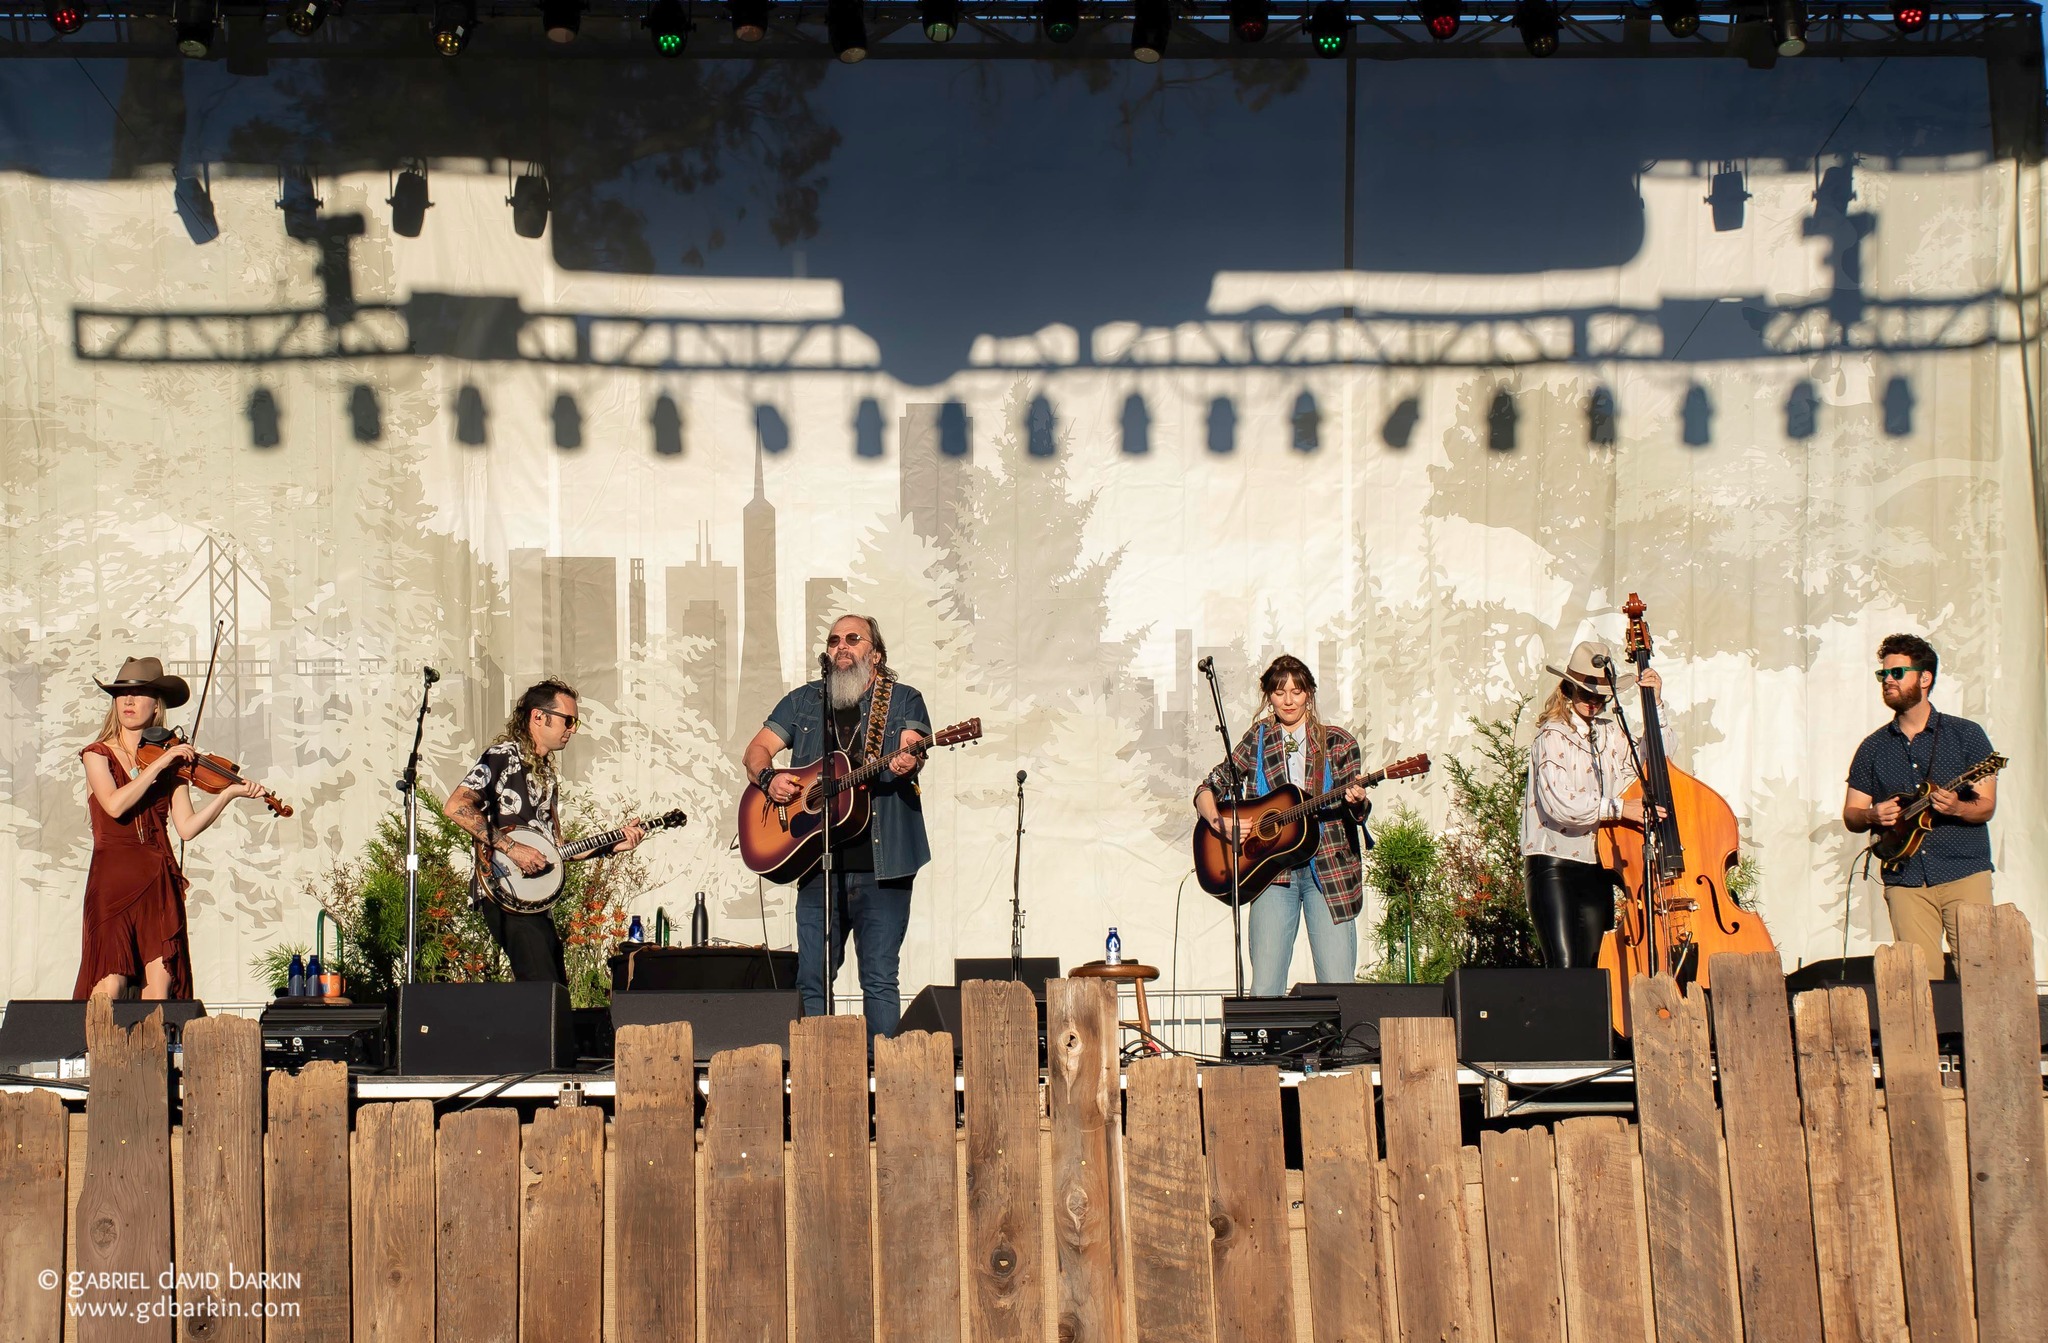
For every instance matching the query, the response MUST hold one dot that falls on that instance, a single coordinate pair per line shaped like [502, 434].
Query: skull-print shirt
[512, 794]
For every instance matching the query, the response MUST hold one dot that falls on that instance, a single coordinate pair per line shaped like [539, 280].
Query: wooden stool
[1129, 972]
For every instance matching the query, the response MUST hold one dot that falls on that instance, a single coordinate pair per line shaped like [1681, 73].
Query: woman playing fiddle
[135, 893]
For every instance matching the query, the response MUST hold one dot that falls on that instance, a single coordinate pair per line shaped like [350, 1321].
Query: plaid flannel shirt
[1338, 863]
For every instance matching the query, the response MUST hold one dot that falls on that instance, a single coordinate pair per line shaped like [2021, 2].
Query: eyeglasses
[1587, 693]
[569, 720]
[849, 640]
[1896, 673]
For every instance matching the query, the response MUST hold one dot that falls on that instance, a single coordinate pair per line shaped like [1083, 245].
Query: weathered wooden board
[655, 1201]
[2002, 1087]
[1166, 1190]
[1432, 1267]
[393, 1201]
[1855, 1230]
[476, 1226]
[745, 1296]
[1247, 1204]
[1767, 1178]
[1599, 1249]
[832, 1180]
[1087, 1176]
[561, 1227]
[1006, 1266]
[1519, 1169]
[124, 1202]
[1340, 1164]
[306, 1203]
[917, 1189]
[1684, 1176]
[35, 1157]
[1933, 1242]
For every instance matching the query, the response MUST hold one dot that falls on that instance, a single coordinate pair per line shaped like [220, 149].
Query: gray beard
[843, 689]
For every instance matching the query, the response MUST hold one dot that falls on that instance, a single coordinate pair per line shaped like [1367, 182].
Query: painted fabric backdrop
[1070, 380]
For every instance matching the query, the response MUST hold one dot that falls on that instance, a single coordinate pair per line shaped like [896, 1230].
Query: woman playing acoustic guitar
[1288, 743]
[135, 892]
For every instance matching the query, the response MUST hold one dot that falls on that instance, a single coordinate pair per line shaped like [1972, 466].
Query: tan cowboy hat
[145, 676]
[1581, 670]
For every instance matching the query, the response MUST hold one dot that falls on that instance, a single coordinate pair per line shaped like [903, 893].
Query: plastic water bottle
[634, 932]
[1113, 949]
[295, 978]
[700, 923]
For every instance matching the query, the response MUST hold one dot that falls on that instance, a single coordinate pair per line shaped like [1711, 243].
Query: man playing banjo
[514, 784]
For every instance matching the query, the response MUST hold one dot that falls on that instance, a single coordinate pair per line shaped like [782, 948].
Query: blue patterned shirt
[1886, 765]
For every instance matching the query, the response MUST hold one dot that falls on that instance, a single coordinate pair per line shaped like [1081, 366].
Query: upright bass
[1675, 914]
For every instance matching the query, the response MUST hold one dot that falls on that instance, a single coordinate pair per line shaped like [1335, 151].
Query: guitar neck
[1981, 769]
[855, 778]
[1309, 804]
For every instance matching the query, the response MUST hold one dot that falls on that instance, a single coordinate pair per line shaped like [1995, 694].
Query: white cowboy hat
[1582, 671]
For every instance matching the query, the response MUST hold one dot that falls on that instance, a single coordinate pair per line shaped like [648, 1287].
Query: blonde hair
[1558, 708]
[110, 726]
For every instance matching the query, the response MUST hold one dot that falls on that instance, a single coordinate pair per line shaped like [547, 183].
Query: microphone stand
[1207, 666]
[1017, 891]
[829, 796]
[408, 788]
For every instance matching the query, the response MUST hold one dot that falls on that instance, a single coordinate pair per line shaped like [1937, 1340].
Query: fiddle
[207, 773]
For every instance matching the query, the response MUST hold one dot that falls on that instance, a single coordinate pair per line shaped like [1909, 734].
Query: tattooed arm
[465, 808]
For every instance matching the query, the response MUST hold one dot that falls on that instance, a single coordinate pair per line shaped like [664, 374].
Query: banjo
[517, 893]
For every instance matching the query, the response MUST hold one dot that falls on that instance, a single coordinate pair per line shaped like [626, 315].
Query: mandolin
[783, 841]
[1903, 837]
[1279, 832]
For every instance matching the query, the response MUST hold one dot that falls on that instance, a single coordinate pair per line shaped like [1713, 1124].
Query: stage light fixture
[1539, 25]
[749, 19]
[1062, 19]
[1442, 18]
[304, 17]
[1681, 18]
[941, 19]
[529, 202]
[1151, 22]
[408, 201]
[196, 24]
[454, 20]
[670, 27]
[65, 16]
[1788, 26]
[847, 29]
[561, 18]
[1248, 19]
[1329, 27]
[1910, 15]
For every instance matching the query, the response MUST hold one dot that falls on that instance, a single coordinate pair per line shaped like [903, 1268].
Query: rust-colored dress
[134, 894]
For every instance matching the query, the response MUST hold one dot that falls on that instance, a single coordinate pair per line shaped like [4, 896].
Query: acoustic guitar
[1278, 832]
[1903, 837]
[783, 841]
[518, 893]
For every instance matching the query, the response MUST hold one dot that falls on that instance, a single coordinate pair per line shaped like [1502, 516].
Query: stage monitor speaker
[718, 1021]
[358, 1035]
[1860, 972]
[1036, 970]
[1285, 1031]
[41, 1030]
[703, 969]
[484, 1030]
[1361, 1008]
[937, 1008]
[1531, 1016]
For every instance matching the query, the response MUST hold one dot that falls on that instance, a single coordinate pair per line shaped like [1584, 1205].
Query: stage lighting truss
[66, 16]
[669, 26]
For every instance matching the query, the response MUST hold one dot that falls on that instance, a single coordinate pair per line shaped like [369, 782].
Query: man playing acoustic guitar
[1952, 866]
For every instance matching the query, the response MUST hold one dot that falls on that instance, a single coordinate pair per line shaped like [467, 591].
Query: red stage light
[1910, 17]
[1441, 18]
[66, 17]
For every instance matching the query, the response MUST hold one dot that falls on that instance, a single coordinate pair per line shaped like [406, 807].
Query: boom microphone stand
[1207, 666]
[829, 796]
[1017, 891]
[408, 788]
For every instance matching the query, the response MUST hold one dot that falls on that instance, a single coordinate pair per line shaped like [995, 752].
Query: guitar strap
[878, 715]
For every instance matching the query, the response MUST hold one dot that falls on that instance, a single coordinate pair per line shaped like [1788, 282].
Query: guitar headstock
[958, 735]
[668, 820]
[1637, 645]
[1406, 769]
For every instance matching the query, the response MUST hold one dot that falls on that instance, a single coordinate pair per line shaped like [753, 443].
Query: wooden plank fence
[1783, 1195]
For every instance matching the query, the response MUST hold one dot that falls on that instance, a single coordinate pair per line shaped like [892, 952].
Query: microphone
[431, 675]
[1020, 777]
[1207, 666]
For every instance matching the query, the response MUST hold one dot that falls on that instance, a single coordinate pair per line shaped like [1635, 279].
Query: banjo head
[515, 891]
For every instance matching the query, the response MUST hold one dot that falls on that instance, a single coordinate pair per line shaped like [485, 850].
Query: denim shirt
[897, 828]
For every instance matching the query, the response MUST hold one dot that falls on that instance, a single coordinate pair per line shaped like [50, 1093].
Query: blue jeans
[1271, 922]
[877, 913]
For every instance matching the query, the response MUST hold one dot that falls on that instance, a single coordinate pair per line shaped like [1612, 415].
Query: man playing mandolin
[871, 713]
[1952, 866]
[514, 784]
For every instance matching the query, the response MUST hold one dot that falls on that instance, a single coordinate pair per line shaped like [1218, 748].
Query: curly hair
[539, 695]
[1914, 647]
